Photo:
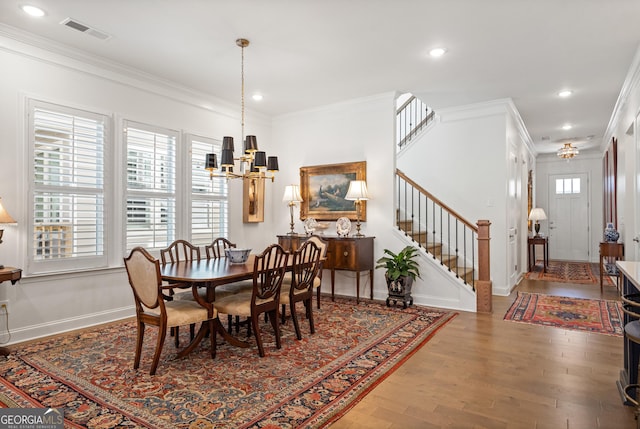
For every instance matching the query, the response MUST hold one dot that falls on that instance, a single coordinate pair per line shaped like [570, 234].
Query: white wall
[355, 130]
[624, 126]
[462, 160]
[44, 305]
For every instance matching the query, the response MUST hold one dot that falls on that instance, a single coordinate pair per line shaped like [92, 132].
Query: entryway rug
[305, 384]
[591, 315]
[569, 272]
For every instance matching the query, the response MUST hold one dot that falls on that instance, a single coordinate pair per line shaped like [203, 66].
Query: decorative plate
[310, 225]
[343, 226]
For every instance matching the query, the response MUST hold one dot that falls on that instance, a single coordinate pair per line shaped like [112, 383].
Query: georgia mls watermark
[31, 418]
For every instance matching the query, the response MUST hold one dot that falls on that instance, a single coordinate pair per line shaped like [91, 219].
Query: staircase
[462, 270]
[460, 247]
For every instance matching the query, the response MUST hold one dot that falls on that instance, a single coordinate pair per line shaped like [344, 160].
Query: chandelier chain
[242, 45]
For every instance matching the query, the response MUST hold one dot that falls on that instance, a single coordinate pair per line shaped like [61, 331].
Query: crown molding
[37, 48]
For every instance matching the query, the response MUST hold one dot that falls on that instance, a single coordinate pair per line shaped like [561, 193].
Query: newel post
[484, 292]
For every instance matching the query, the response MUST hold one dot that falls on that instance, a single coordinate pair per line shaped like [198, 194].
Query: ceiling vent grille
[72, 23]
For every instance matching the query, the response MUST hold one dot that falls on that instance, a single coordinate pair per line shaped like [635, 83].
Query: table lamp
[292, 197]
[357, 192]
[5, 218]
[537, 214]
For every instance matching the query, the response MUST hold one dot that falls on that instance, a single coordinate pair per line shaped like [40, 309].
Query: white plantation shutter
[209, 197]
[151, 186]
[67, 221]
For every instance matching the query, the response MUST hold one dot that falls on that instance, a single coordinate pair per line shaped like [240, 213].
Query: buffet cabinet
[343, 254]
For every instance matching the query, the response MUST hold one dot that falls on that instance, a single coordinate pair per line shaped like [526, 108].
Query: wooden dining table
[208, 273]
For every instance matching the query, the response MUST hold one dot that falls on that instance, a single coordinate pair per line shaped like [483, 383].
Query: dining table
[209, 274]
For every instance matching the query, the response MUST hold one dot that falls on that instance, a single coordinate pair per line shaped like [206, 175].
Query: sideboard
[343, 254]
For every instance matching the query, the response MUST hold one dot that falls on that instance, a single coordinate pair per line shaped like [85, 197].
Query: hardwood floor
[480, 371]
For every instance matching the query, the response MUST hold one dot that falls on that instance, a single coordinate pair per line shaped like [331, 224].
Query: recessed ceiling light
[257, 97]
[437, 52]
[567, 126]
[565, 93]
[32, 10]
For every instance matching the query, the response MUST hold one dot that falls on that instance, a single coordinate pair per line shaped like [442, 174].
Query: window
[151, 186]
[209, 197]
[67, 221]
[568, 186]
[164, 191]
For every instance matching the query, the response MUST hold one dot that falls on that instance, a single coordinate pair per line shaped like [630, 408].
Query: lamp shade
[250, 144]
[227, 143]
[260, 160]
[357, 191]
[537, 214]
[227, 158]
[4, 216]
[212, 162]
[272, 163]
[292, 194]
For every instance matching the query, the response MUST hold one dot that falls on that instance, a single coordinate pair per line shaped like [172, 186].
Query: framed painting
[323, 188]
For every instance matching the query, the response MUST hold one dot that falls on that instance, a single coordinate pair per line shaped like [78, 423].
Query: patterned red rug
[307, 383]
[591, 315]
[569, 272]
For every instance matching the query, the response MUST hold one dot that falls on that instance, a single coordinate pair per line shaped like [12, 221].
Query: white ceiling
[307, 53]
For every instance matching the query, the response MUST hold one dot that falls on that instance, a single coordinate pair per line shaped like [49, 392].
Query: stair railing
[411, 117]
[437, 228]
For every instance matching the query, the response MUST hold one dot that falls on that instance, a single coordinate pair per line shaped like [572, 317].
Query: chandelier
[254, 163]
[567, 151]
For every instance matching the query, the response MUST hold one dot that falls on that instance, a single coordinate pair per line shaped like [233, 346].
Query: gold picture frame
[323, 188]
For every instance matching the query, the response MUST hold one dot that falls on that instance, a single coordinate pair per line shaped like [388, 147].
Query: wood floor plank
[481, 371]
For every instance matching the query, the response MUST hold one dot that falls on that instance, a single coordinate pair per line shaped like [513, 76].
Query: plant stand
[400, 291]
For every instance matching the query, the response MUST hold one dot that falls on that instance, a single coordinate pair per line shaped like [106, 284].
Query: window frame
[219, 187]
[153, 194]
[34, 264]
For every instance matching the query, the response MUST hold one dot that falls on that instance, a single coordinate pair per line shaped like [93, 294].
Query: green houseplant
[401, 270]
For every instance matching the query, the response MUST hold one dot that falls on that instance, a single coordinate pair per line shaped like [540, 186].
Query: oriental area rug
[590, 315]
[306, 384]
[569, 272]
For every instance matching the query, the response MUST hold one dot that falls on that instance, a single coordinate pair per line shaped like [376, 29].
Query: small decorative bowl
[237, 256]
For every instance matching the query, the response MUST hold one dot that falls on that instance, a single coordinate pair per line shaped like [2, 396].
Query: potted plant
[401, 271]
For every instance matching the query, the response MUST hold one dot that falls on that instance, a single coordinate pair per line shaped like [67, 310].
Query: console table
[13, 275]
[544, 241]
[610, 252]
[343, 253]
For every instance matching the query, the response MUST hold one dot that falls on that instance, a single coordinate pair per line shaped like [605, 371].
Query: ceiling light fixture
[437, 52]
[567, 127]
[254, 163]
[565, 93]
[33, 11]
[567, 151]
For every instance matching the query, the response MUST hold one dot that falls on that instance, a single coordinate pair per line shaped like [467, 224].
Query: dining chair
[216, 249]
[269, 269]
[306, 263]
[143, 271]
[323, 245]
[179, 250]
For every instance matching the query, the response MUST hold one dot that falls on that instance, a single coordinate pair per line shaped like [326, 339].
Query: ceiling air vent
[72, 23]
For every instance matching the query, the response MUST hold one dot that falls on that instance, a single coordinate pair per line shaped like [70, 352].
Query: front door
[568, 217]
